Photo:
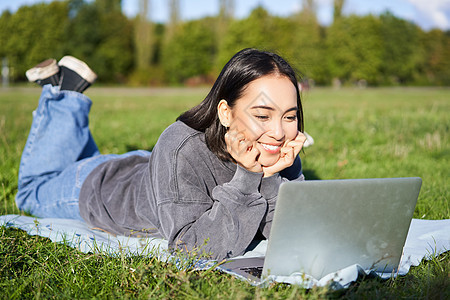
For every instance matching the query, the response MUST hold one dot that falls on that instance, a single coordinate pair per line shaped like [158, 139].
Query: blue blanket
[426, 239]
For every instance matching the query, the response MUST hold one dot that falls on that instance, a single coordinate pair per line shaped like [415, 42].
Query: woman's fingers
[286, 158]
[297, 143]
[236, 144]
[243, 151]
[288, 153]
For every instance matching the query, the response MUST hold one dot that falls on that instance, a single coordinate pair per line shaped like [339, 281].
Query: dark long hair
[244, 67]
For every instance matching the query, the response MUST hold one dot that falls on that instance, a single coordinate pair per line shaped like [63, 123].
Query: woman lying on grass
[212, 177]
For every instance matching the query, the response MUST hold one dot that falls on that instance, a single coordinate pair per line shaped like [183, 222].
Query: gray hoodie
[182, 192]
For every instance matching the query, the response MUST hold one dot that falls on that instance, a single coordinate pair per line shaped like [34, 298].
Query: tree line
[375, 50]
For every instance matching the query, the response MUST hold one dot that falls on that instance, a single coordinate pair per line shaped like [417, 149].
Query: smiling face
[267, 115]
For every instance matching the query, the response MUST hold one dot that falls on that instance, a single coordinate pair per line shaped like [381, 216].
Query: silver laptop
[323, 226]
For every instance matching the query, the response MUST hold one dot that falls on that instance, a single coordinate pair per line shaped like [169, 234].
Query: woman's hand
[288, 153]
[243, 151]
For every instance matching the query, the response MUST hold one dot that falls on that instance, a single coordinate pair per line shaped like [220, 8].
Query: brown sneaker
[46, 72]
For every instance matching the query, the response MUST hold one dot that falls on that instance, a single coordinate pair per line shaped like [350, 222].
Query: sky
[427, 14]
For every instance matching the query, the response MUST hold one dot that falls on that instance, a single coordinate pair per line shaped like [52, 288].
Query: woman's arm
[223, 223]
[196, 204]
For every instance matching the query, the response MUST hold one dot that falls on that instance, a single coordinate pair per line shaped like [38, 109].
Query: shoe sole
[42, 72]
[78, 66]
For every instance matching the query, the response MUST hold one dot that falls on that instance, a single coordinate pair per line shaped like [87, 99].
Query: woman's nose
[277, 131]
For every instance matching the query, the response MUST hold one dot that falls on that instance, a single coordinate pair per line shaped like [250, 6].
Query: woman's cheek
[292, 132]
[252, 132]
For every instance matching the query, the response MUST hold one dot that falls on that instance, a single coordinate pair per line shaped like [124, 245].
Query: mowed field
[358, 133]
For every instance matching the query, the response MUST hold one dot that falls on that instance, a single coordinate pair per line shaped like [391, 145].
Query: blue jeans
[58, 156]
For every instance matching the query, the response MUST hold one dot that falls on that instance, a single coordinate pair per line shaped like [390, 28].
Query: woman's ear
[224, 113]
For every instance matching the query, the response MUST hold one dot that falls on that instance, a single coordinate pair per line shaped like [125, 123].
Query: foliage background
[377, 50]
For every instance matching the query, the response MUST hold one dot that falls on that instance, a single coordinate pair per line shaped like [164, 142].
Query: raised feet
[70, 73]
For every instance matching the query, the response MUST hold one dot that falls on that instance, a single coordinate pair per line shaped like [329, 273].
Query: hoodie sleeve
[221, 222]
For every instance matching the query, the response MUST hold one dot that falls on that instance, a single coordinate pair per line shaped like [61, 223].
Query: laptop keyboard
[255, 271]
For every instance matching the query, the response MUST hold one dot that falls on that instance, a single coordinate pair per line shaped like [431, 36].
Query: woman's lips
[272, 149]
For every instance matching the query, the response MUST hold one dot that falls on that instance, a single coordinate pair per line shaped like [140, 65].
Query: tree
[113, 59]
[256, 31]
[305, 42]
[402, 50]
[297, 38]
[33, 34]
[109, 5]
[309, 9]
[226, 11]
[174, 11]
[381, 50]
[190, 51]
[355, 49]
[226, 8]
[102, 38]
[143, 37]
[437, 57]
[337, 9]
[5, 30]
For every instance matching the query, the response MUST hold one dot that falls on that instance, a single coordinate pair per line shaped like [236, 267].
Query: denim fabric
[59, 154]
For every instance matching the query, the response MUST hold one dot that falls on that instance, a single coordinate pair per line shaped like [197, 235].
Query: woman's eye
[291, 118]
[262, 117]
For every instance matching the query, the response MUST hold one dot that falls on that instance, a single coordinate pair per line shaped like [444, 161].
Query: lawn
[359, 133]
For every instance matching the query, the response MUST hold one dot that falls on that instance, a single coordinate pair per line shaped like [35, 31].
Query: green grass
[388, 132]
